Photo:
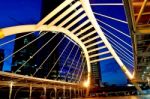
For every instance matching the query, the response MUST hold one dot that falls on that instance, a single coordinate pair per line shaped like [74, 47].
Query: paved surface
[122, 97]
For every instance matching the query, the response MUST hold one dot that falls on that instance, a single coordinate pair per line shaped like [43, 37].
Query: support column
[44, 92]
[70, 92]
[55, 92]
[30, 94]
[64, 91]
[78, 92]
[74, 92]
[10, 89]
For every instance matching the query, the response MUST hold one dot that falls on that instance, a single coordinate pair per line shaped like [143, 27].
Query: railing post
[30, 94]
[70, 92]
[74, 92]
[64, 91]
[78, 92]
[10, 89]
[44, 92]
[55, 92]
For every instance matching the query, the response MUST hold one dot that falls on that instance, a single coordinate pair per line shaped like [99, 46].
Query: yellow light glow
[86, 84]
[1, 34]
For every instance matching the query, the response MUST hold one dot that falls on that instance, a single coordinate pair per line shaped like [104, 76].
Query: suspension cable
[116, 37]
[113, 28]
[58, 59]
[78, 73]
[123, 54]
[72, 63]
[31, 57]
[48, 55]
[121, 49]
[82, 72]
[16, 38]
[22, 48]
[76, 66]
[66, 61]
[112, 40]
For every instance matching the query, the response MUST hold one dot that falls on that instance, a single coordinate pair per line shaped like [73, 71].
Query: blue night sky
[19, 12]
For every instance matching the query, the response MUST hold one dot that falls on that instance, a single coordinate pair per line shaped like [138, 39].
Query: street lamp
[86, 84]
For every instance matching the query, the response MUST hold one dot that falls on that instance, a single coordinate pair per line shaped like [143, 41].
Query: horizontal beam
[99, 54]
[144, 13]
[140, 3]
[89, 34]
[34, 85]
[77, 12]
[102, 59]
[84, 30]
[143, 30]
[91, 39]
[22, 77]
[73, 7]
[80, 26]
[96, 49]
[76, 21]
[93, 44]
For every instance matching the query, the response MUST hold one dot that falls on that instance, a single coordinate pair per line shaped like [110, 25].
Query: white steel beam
[96, 49]
[74, 6]
[71, 17]
[93, 44]
[80, 26]
[102, 59]
[99, 54]
[89, 34]
[76, 21]
[84, 30]
[91, 39]
[54, 12]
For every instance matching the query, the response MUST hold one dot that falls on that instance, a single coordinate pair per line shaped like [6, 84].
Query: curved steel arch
[30, 28]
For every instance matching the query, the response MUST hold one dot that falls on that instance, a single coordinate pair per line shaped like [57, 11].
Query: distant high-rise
[1, 58]
[22, 56]
[96, 78]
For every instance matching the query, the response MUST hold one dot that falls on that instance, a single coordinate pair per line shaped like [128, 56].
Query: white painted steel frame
[84, 30]
[89, 34]
[96, 49]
